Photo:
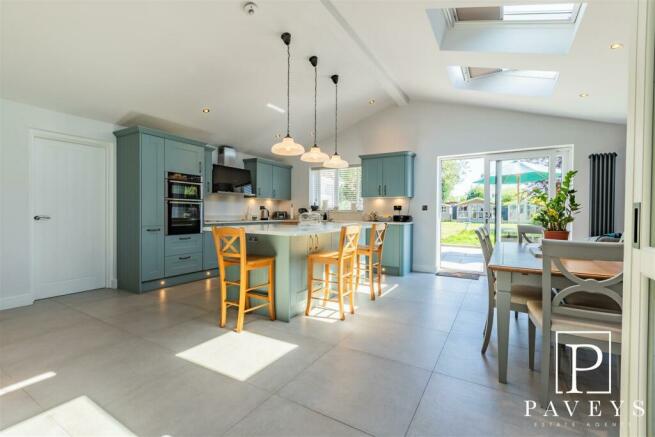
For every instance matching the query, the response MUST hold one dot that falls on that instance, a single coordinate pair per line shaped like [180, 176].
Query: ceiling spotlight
[371, 102]
[583, 95]
[616, 45]
[250, 8]
[205, 110]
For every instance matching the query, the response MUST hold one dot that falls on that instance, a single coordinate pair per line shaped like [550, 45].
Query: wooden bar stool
[373, 253]
[344, 260]
[230, 246]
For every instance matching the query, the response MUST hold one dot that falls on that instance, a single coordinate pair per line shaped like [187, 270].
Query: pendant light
[288, 147]
[335, 160]
[314, 154]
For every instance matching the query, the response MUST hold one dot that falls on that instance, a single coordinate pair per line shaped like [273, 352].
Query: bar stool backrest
[230, 243]
[348, 241]
[378, 232]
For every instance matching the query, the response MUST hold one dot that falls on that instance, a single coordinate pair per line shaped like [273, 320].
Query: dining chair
[373, 253]
[230, 244]
[524, 230]
[344, 261]
[520, 293]
[582, 309]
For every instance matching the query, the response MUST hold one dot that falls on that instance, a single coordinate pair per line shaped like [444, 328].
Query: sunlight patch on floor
[75, 418]
[238, 355]
[26, 382]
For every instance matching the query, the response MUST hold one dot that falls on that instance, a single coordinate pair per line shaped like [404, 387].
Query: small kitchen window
[336, 188]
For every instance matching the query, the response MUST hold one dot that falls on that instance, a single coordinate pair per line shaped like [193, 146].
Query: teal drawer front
[181, 264]
[183, 244]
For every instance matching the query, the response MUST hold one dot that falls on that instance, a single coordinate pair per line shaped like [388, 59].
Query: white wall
[433, 130]
[15, 216]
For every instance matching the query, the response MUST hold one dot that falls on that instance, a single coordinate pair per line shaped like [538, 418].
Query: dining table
[516, 263]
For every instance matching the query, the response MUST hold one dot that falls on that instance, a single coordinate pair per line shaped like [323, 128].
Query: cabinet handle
[200, 166]
[316, 241]
[153, 229]
[385, 190]
[184, 238]
[379, 190]
[184, 257]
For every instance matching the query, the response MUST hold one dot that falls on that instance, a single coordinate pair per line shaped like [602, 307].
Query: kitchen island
[290, 244]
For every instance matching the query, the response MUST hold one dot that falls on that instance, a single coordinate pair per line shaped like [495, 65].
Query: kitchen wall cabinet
[209, 170]
[144, 252]
[182, 157]
[388, 174]
[271, 179]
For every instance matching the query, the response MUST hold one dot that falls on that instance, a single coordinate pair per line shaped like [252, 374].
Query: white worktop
[293, 230]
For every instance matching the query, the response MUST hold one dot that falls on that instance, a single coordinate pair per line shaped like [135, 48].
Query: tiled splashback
[234, 207]
[385, 206]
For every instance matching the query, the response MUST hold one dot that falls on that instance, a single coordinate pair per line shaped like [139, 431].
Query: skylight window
[472, 73]
[509, 81]
[539, 13]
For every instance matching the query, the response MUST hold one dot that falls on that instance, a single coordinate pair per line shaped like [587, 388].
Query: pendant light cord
[336, 113]
[288, 90]
[315, 97]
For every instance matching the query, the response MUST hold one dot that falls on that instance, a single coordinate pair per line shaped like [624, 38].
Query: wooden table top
[515, 257]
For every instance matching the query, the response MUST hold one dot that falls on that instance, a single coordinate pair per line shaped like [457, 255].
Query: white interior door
[638, 336]
[69, 198]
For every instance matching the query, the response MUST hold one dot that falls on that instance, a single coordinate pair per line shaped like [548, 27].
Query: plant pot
[556, 235]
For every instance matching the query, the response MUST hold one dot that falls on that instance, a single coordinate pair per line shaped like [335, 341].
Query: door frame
[509, 153]
[110, 200]
[638, 258]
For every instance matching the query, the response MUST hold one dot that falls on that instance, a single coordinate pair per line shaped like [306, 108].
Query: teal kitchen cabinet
[372, 177]
[144, 254]
[271, 179]
[183, 157]
[397, 252]
[209, 170]
[388, 174]
[209, 259]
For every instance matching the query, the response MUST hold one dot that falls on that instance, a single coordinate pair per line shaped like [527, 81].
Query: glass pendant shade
[314, 155]
[335, 161]
[287, 147]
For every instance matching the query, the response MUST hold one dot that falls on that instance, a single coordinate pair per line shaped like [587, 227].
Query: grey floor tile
[429, 315]
[278, 417]
[451, 407]
[107, 374]
[118, 305]
[409, 344]
[16, 407]
[187, 334]
[76, 299]
[156, 317]
[369, 393]
[192, 402]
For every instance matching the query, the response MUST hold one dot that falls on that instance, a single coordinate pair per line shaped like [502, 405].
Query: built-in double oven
[183, 204]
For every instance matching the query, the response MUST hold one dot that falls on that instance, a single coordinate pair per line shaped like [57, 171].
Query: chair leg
[516, 315]
[371, 281]
[326, 289]
[488, 327]
[545, 367]
[342, 316]
[243, 286]
[223, 316]
[310, 272]
[532, 330]
[271, 290]
[351, 288]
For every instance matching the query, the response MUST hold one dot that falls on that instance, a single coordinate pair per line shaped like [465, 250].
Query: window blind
[338, 188]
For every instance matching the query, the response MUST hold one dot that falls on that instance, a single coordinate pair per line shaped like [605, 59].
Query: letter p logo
[567, 338]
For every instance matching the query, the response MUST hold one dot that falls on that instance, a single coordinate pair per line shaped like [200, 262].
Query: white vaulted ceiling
[159, 62]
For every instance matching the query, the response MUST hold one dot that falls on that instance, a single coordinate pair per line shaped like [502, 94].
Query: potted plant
[556, 213]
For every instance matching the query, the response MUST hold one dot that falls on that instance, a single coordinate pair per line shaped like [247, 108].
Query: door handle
[41, 217]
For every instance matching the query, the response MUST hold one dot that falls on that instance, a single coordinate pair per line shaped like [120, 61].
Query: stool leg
[243, 286]
[359, 260]
[326, 289]
[371, 281]
[379, 273]
[271, 290]
[310, 272]
[223, 308]
[342, 316]
[351, 288]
